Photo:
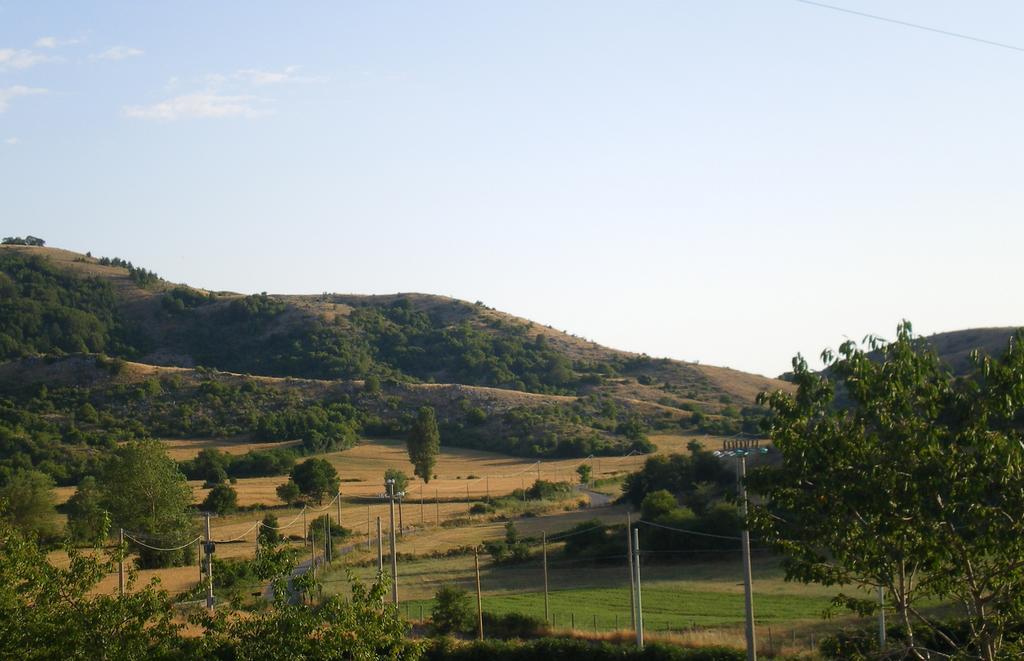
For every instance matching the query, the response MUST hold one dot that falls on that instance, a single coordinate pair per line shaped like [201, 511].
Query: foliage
[28, 499]
[584, 471]
[222, 499]
[19, 241]
[453, 611]
[688, 477]
[52, 613]
[592, 538]
[510, 550]
[400, 478]
[571, 649]
[87, 520]
[547, 490]
[424, 443]
[289, 492]
[316, 478]
[44, 310]
[513, 625]
[915, 484]
[148, 496]
[268, 533]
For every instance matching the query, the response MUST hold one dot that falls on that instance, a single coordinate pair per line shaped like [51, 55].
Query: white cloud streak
[117, 53]
[9, 93]
[20, 58]
[201, 105]
[11, 141]
[54, 42]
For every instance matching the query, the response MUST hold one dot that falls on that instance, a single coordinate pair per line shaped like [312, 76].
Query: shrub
[453, 610]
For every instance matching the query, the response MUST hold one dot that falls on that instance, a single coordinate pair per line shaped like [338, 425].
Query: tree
[400, 478]
[289, 492]
[222, 499]
[87, 520]
[48, 612]
[584, 471]
[29, 503]
[316, 478]
[146, 494]
[912, 481]
[453, 610]
[268, 534]
[424, 443]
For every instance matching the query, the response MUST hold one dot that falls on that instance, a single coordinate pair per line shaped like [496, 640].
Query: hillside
[97, 350]
[955, 347]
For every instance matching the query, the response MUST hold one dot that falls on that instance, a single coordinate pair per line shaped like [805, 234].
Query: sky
[729, 181]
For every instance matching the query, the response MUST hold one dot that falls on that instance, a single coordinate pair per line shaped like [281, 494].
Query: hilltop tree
[913, 482]
[289, 492]
[316, 478]
[147, 495]
[424, 443]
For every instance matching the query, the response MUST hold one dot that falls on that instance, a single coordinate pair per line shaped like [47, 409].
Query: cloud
[54, 42]
[20, 58]
[287, 75]
[8, 93]
[117, 53]
[11, 141]
[201, 105]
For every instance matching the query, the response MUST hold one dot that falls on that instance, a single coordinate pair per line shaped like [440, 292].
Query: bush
[453, 611]
[513, 625]
[570, 649]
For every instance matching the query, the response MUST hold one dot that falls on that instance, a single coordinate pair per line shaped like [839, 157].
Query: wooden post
[209, 565]
[639, 600]
[544, 546]
[120, 565]
[632, 575]
[380, 548]
[367, 527]
[479, 599]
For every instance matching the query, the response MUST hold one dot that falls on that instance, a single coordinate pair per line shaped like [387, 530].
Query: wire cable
[908, 24]
[157, 548]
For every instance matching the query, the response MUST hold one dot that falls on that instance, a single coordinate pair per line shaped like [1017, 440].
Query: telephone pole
[394, 557]
[639, 600]
[632, 574]
[479, 599]
[380, 549]
[120, 565]
[740, 449]
[544, 546]
[208, 548]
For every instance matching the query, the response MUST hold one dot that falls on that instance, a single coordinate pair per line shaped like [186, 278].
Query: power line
[908, 24]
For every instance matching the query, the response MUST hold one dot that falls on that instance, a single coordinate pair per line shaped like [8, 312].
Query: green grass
[705, 593]
[665, 607]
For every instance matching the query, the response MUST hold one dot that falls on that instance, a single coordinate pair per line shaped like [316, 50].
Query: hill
[955, 347]
[95, 349]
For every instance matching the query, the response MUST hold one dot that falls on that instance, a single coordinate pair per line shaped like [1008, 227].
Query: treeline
[46, 311]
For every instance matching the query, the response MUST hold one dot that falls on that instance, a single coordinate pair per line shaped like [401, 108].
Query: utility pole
[305, 530]
[339, 507]
[632, 574]
[208, 548]
[120, 565]
[488, 478]
[639, 600]
[740, 449]
[544, 546]
[394, 557]
[479, 599]
[327, 538]
[380, 549]
[312, 552]
[368, 528]
[401, 521]
[881, 618]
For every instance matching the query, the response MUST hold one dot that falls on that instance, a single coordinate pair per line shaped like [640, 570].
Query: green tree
[222, 499]
[424, 443]
[400, 478]
[658, 503]
[268, 534]
[29, 503]
[48, 612]
[316, 478]
[584, 471]
[87, 520]
[147, 495]
[452, 612]
[289, 492]
[912, 481]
